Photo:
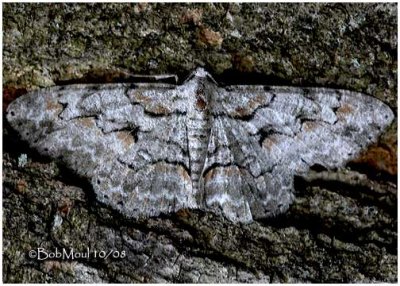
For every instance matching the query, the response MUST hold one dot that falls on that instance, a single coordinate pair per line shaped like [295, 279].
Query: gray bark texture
[342, 225]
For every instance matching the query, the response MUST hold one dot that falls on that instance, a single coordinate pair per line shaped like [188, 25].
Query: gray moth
[152, 148]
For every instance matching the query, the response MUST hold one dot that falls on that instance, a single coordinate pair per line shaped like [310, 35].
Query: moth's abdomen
[198, 130]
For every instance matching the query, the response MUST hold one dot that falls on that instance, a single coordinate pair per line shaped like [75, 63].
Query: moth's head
[200, 72]
[200, 75]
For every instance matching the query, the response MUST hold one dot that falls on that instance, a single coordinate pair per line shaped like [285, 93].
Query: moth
[152, 148]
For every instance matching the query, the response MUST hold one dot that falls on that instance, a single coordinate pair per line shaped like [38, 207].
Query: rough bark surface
[342, 226]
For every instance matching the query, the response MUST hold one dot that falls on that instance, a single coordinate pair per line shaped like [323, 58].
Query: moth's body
[198, 122]
[154, 148]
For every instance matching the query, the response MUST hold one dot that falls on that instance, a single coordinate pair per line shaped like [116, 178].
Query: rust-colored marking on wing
[126, 138]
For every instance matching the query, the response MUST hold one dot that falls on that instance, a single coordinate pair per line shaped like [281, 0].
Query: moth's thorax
[200, 88]
[198, 128]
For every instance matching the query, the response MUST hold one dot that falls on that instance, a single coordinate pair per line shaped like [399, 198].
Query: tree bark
[342, 226]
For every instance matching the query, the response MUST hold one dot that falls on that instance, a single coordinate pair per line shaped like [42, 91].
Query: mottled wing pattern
[239, 177]
[155, 148]
[318, 126]
[263, 136]
[126, 139]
